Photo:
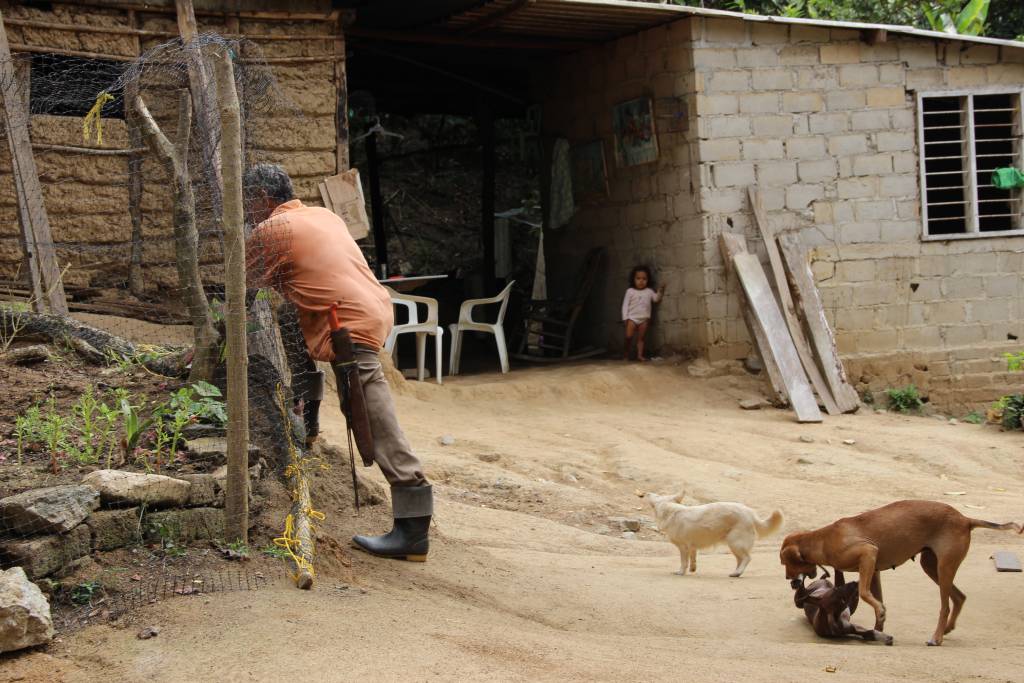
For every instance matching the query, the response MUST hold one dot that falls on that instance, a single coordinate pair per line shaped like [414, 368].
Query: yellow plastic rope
[94, 118]
[296, 471]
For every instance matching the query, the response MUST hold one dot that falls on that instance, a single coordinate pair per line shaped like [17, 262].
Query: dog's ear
[679, 496]
[791, 555]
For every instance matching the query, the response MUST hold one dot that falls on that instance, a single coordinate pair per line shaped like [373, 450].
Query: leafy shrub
[905, 400]
[1013, 411]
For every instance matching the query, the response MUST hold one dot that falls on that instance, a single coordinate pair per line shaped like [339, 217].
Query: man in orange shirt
[308, 255]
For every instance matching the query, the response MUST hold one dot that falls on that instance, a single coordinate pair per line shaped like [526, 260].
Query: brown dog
[886, 538]
[829, 608]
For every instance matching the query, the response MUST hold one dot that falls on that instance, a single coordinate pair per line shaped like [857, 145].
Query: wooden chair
[554, 320]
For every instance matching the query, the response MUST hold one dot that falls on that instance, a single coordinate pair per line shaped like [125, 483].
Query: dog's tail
[768, 525]
[1009, 526]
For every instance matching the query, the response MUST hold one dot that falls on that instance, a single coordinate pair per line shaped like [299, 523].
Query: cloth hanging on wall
[562, 207]
[1008, 178]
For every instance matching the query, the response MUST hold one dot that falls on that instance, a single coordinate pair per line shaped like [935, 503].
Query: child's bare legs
[641, 332]
[630, 332]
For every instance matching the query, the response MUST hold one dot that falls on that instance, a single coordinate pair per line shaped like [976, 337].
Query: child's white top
[636, 305]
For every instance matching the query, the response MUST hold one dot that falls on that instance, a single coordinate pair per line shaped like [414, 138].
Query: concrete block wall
[651, 214]
[87, 196]
[825, 124]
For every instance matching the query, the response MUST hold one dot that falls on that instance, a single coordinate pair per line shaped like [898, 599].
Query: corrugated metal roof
[604, 20]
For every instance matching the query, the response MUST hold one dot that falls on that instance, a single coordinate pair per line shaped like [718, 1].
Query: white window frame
[974, 231]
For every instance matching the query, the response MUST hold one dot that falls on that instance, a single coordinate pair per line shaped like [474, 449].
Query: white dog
[691, 527]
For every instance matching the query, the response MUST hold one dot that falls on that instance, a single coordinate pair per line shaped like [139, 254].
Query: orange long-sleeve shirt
[307, 254]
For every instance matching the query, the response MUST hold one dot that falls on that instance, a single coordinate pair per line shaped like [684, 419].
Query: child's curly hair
[641, 269]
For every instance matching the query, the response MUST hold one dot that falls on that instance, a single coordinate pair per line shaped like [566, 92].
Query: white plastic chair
[466, 323]
[422, 329]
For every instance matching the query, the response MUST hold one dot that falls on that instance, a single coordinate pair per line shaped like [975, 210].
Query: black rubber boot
[412, 507]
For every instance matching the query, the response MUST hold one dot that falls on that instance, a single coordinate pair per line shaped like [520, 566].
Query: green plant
[54, 433]
[905, 400]
[1013, 411]
[83, 593]
[970, 21]
[107, 430]
[974, 417]
[1014, 361]
[28, 428]
[167, 535]
[86, 410]
[275, 551]
[134, 425]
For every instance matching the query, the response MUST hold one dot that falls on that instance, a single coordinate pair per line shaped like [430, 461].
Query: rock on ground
[114, 528]
[24, 612]
[183, 526]
[48, 511]
[129, 488]
[43, 555]
[203, 491]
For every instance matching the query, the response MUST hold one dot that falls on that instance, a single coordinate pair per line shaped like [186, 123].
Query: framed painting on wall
[636, 141]
[589, 171]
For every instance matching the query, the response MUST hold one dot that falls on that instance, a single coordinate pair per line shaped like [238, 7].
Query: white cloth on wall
[562, 206]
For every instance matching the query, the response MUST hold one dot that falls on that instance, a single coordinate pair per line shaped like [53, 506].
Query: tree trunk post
[136, 284]
[237, 499]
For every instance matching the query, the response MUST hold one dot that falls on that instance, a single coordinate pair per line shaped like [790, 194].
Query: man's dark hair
[272, 179]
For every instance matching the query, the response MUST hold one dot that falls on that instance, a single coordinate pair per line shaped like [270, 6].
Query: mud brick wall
[86, 197]
[826, 125]
[651, 214]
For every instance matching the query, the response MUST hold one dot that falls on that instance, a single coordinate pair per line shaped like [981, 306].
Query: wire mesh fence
[126, 158]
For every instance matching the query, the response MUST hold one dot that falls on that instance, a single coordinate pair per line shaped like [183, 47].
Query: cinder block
[730, 127]
[757, 57]
[727, 81]
[776, 173]
[714, 58]
[759, 103]
[855, 271]
[822, 212]
[895, 141]
[871, 210]
[898, 186]
[734, 174]
[763, 33]
[846, 100]
[802, 102]
[732, 31]
[804, 33]
[857, 188]
[817, 171]
[858, 233]
[799, 197]
[858, 75]
[905, 162]
[829, 123]
[978, 263]
[880, 52]
[847, 145]
[980, 54]
[817, 78]
[966, 76]
[772, 79]
[892, 74]
[805, 148]
[946, 312]
[886, 97]
[963, 287]
[840, 53]
[1004, 74]
[722, 201]
[717, 104]
[962, 335]
[877, 340]
[872, 164]
[989, 311]
[919, 79]
[777, 125]
[918, 53]
[720, 150]
[1004, 286]
[799, 55]
[877, 119]
[853, 319]
[762, 149]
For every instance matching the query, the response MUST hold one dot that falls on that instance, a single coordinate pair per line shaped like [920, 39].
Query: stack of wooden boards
[343, 194]
[791, 334]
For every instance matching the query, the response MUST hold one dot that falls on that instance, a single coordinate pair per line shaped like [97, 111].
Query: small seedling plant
[905, 400]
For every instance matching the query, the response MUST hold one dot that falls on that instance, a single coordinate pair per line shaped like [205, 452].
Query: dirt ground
[527, 579]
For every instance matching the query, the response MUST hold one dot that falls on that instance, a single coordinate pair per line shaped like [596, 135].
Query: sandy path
[526, 581]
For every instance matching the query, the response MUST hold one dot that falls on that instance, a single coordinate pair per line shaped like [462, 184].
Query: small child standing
[636, 309]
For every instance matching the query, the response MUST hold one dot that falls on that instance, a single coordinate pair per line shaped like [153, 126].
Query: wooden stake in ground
[237, 498]
[788, 310]
[136, 284]
[36, 237]
[186, 239]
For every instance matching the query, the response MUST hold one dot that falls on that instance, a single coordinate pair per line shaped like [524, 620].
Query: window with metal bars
[963, 137]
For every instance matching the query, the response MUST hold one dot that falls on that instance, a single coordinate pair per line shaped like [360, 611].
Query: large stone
[184, 526]
[43, 555]
[48, 511]
[214, 450]
[24, 612]
[203, 491]
[129, 488]
[114, 528]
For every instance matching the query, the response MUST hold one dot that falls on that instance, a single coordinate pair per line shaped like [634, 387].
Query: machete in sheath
[350, 389]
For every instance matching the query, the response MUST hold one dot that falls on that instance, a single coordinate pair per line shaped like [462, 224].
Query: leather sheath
[350, 390]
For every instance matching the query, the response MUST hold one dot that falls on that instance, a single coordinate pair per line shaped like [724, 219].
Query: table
[408, 284]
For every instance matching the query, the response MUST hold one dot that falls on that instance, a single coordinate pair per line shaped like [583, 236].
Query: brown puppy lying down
[829, 608]
[885, 538]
